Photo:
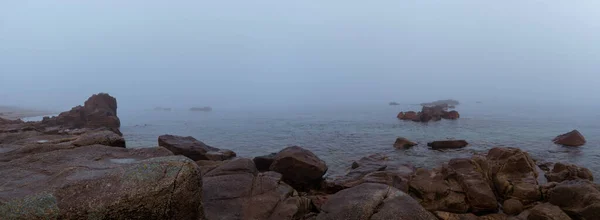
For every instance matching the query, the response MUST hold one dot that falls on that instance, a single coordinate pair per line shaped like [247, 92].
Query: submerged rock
[375, 202]
[572, 139]
[300, 168]
[194, 149]
[403, 143]
[374, 168]
[447, 144]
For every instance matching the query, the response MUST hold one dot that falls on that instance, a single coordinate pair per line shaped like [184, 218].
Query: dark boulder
[300, 168]
[447, 144]
[545, 211]
[578, 198]
[512, 207]
[403, 143]
[263, 163]
[572, 139]
[374, 202]
[192, 148]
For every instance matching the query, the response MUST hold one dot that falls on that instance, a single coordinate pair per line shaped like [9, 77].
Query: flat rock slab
[373, 201]
[194, 149]
[100, 182]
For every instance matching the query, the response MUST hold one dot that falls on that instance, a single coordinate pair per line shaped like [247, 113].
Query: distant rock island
[446, 102]
[394, 103]
[162, 109]
[202, 109]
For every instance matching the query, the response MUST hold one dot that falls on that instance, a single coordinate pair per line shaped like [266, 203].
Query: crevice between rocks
[168, 205]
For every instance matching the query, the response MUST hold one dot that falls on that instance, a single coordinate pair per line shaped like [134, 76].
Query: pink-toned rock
[451, 115]
[572, 139]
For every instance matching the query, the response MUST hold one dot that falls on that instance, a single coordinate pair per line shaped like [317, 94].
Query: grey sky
[55, 54]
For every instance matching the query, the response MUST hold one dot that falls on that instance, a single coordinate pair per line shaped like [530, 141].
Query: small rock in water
[403, 143]
[572, 139]
[447, 144]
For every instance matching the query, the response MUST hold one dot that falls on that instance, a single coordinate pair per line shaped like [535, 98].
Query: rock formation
[429, 113]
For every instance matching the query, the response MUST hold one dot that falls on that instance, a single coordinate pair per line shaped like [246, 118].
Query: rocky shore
[77, 166]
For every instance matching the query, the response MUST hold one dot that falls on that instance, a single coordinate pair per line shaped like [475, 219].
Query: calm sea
[340, 136]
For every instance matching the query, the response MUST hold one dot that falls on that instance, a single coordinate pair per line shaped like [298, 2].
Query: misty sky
[54, 54]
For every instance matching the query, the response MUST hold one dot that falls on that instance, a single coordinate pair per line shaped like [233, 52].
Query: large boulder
[236, 190]
[545, 211]
[300, 168]
[447, 144]
[99, 111]
[403, 143]
[572, 138]
[434, 193]
[474, 183]
[100, 182]
[578, 198]
[512, 207]
[513, 174]
[562, 172]
[192, 148]
[375, 202]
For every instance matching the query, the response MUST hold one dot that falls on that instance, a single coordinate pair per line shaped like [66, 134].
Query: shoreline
[14, 113]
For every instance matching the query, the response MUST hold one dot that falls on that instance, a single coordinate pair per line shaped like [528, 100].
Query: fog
[251, 54]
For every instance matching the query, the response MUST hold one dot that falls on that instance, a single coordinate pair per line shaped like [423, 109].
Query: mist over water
[316, 74]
